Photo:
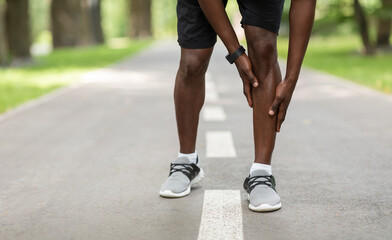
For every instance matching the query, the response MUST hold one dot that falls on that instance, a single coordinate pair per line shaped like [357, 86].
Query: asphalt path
[87, 161]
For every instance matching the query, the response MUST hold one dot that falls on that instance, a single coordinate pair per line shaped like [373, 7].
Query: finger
[252, 79]
[275, 105]
[281, 117]
[247, 93]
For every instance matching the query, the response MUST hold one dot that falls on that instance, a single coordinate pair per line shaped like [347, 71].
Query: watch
[232, 57]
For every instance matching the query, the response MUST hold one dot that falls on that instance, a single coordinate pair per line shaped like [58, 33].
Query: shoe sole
[264, 207]
[170, 194]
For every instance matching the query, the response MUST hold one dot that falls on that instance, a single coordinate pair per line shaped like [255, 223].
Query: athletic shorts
[195, 32]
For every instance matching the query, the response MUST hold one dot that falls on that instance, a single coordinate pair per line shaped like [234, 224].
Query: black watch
[232, 57]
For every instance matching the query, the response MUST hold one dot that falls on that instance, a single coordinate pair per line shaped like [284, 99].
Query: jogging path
[87, 162]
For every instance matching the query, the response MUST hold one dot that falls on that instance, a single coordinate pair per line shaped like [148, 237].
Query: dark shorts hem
[266, 26]
[196, 45]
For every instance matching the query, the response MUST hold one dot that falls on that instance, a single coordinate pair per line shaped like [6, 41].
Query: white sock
[259, 166]
[191, 156]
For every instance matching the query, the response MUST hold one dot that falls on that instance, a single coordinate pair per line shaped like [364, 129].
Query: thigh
[194, 30]
[265, 14]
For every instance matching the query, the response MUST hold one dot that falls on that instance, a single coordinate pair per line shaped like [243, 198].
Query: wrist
[292, 79]
[290, 82]
[233, 47]
[235, 55]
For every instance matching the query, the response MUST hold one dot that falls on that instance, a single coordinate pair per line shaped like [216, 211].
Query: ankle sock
[191, 156]
[259, 166]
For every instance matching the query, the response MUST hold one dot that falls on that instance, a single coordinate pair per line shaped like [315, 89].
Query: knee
[264, 52]
[193, 67]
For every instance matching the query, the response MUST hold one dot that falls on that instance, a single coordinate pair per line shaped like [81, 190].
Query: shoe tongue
[182, 160]
[260, 172]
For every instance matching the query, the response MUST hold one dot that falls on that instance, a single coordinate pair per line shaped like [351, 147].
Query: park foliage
[351, 39]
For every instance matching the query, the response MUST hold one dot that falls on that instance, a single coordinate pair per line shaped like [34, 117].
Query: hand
[283, 95]
[244, 68]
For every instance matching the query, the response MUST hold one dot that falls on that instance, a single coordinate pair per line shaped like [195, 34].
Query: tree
[65, 19]
[140, 17]
[18, 28]
[3, 39]
[384, 24]
[95, 21]
[363, 27]
[92, 28]
[76, 22]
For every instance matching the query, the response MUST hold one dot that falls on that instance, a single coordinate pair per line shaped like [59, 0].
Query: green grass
[340, 56]
[61, 67]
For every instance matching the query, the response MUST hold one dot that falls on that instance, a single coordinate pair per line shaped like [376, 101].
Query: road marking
[220, 144]
[221, 217]
[214, 114]
[212, 97]
[208, 76]
[210, 86]
[211, 93]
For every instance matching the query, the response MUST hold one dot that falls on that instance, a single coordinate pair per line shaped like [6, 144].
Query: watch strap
[232, 57]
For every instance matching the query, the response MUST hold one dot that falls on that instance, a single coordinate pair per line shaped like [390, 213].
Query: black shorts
[195, 32]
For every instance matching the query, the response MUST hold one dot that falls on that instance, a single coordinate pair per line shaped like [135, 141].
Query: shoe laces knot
[260, 180]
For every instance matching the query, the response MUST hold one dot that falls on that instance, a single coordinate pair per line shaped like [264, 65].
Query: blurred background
[46, 44]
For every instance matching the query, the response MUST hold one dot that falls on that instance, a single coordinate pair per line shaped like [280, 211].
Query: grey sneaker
[262, 195]
[183, 175]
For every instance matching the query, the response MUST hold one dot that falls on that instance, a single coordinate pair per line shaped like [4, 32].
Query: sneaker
[262, 195]
[183, 175]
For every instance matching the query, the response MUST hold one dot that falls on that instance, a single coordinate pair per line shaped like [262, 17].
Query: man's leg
[263, 55]
[189, 93]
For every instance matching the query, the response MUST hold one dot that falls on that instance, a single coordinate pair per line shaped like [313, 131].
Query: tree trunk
[85, 33]
[3, 39]
[140, 18]
[76, 22]
[18, 28]
[91, 10]
[363, 27]
[384, 25]
[66, 17]
[95, 21]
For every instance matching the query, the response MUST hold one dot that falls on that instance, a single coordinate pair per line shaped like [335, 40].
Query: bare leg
[189, 93]
[263, 56]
